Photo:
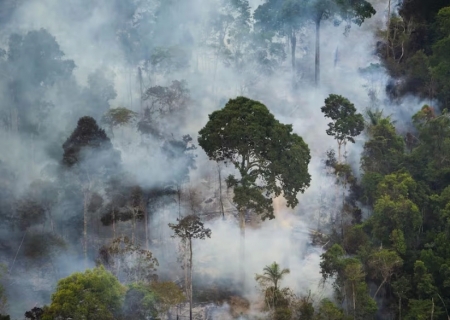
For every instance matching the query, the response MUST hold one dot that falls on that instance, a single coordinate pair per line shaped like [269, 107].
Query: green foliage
[398, 241]
[394, 208]
[354, 238]
[415, 49]
[262, 149]
[272, 274]
[94, 294]
[346, 124]
[155, 299]
[384, 151]
[329, 311]
[139, 302]
[119, 117]
[167, 294]
[421, 310]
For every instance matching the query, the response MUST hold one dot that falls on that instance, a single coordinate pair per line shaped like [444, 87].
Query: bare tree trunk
[432, 308]
[293, 47]
[399, 308]
[317, 62]
[354, 301]
[133, 226]
[50, 217]
[220, 191]
[179, 200]
[388, 29]
[186, 267]
[144, 206]
[141, 108]
[114, 222]
[375, 295]
[85, 216]
[190, 279]
[242, 245]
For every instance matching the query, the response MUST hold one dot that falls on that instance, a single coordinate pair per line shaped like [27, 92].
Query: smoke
[108, 41]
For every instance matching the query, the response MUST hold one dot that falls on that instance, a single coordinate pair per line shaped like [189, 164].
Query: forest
[225, 159]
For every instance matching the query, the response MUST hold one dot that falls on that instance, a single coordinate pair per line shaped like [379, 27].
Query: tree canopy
[270, 158]
[94, 294]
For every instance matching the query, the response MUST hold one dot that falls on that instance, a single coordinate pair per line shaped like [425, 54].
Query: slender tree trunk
[242, 245]
[399, 308]
[293, 47]
[432, 308]
[186, 269]
[388, 29]
[144, 206]
[114, 222]
[50, 217]
[317, 62]
[354, 301]
[133, 226]
[220, 191]
[190, 279]
[85, 216]
[375, 295]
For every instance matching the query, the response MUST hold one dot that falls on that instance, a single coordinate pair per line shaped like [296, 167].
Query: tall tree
[282, 18]
[346, 124]
[385, 262]
[271, 160]
[188, 228]
[355, 11]
[90, 156]
[34, 64]
[94, 294]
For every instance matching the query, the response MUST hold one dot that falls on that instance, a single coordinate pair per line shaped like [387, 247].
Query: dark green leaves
[346, 124]
[270, 158]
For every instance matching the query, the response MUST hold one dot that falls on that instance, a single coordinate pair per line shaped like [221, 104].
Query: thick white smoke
[86, 33]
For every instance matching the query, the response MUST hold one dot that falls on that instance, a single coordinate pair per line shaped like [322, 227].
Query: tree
[329, 311]
[349, 282]
[35, 314]
[86, 138]
[188, 228]
[281, 17]
[385, 262]
[128, 261]
[394, 208]
[90, 156]
[119, 117]
[35, 63]
[350, 11]
[139, 302]
[94, 294]
[271, 160]
[346, 124]
[168, 295]
[168, 100]
[272, 274]
[384, 151]
[3, 296]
